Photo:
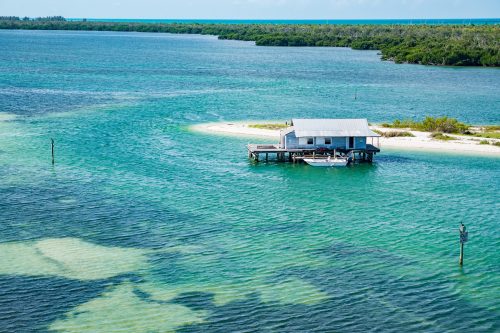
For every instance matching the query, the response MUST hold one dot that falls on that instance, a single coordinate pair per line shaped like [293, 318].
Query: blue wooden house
[339, 134]
[321, 136]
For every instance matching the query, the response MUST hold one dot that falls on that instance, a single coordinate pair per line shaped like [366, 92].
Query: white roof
[332, 127]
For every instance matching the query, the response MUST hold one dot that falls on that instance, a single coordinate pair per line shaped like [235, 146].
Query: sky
[254, 9]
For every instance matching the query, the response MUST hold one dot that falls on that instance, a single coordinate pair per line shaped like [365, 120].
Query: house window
[328, 141]
[310, 141]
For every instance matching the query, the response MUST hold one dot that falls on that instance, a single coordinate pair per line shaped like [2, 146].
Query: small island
[431, 134]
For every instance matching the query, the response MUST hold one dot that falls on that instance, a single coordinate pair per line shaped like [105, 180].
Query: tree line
[38, 19]
[446, 45]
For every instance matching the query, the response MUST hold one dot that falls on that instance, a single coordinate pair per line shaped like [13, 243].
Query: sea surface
[143, 225]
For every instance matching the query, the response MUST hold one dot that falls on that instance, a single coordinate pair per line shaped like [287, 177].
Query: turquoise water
[144, 225]
[380, 21]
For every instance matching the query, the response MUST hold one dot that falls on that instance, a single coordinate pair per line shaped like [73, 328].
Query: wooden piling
[52, 145]
[461, 258]
[297, 155]
[464, 235]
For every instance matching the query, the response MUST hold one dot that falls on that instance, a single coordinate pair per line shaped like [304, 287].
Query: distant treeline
[37, 19]
[450, 45]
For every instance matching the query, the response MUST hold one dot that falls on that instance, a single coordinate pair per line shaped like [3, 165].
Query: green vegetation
[405, 123]
[430, 124]
[392, 134]
[489, 135]
[36, 19]
[441, 136]
[493, 143]
[439, 126]
[269, 126]
[453, 45]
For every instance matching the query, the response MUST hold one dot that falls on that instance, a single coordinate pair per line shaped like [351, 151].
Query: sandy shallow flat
[420, 141]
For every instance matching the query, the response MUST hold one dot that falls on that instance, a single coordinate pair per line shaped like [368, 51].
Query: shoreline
[421, 141]
[400, 42]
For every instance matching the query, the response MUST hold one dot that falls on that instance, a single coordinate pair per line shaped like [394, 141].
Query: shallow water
[143, 225]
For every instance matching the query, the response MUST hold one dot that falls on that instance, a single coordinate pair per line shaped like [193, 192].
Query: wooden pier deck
[298, 154]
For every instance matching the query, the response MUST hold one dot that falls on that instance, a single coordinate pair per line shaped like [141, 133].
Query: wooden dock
[255, 151]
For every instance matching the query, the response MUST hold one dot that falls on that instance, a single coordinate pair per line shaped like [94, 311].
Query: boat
[327, 162]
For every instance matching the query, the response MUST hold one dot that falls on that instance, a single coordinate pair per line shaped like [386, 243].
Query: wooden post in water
[52, 144]
[464, 237]
[461, 259]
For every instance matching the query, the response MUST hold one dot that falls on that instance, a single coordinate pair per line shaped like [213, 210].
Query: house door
[351, 143]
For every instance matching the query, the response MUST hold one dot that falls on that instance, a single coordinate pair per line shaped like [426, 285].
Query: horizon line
[278, 19]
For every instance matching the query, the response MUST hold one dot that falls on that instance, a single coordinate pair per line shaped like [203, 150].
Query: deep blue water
[143, 225]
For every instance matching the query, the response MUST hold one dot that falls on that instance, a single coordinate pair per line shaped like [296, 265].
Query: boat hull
[337, 162]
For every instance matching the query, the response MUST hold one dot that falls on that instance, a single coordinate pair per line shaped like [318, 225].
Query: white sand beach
[420, 140]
